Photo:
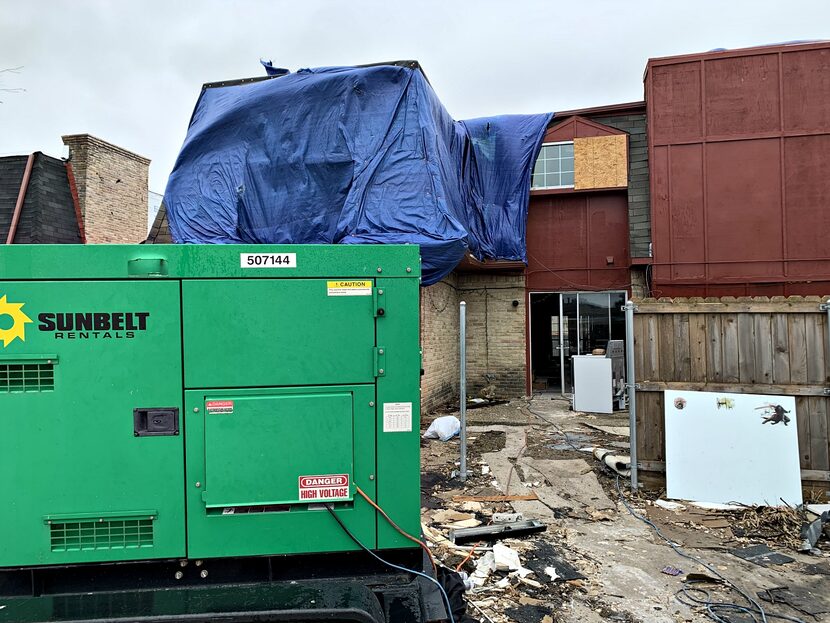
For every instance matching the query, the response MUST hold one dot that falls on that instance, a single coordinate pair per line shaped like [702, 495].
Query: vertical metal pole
[462, 385]
[825, 307]
[562, 348]
[631, 384]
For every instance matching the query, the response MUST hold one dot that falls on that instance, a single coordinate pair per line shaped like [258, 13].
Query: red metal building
[739, 153]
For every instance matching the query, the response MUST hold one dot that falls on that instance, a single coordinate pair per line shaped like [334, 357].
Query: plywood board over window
[601, 162]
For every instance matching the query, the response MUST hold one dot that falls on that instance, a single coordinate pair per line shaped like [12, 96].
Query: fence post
[462, 385]
[631, 383]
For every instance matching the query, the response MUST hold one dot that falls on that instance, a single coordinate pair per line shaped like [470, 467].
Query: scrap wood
[617, 431]
[717, 522]
[449, 516]
[495, 498]
[442, 541]
[780, 524]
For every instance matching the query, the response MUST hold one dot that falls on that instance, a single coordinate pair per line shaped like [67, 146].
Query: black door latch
[156, 421]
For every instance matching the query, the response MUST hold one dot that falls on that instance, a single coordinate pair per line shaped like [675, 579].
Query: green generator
[197, 405]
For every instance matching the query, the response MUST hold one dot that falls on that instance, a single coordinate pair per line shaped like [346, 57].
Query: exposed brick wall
[639, 282]
[495, 337]
[112, 189]
[439, 342]
[495, 332]
[639, 211]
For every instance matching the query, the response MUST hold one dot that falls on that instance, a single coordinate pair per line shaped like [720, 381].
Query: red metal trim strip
[21, 197]
[73, 189]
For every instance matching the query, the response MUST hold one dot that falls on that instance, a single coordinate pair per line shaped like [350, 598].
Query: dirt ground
[596, 561]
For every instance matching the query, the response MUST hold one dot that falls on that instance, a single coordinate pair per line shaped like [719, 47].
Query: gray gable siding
[639, 208]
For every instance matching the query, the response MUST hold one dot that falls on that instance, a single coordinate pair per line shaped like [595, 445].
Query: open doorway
[546, 338]
[564, 324]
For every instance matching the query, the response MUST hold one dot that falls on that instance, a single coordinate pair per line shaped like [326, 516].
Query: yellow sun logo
[19, 320]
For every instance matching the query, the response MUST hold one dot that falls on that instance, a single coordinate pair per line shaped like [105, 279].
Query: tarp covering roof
[353, 155]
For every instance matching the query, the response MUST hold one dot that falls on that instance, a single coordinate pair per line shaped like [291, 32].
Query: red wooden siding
[739, 151]
[571, 237]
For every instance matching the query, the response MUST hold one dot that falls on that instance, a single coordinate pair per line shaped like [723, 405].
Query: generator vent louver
[104, 534]
[27, 377]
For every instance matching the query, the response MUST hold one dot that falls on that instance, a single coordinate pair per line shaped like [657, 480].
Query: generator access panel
[206, 401]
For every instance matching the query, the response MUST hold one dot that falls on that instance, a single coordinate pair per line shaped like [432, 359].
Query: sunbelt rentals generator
[209, 432]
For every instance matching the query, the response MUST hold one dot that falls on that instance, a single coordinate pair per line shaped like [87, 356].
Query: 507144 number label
[268, 260]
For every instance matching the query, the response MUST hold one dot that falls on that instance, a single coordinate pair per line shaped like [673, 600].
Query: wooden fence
[746, 345]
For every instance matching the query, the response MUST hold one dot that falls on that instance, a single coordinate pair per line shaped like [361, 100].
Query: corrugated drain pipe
[21, 197]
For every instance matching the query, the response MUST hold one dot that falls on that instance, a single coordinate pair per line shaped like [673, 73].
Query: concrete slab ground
[531, 447]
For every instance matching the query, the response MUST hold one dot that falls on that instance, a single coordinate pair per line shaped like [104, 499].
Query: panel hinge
[824, 306]
[379, 356]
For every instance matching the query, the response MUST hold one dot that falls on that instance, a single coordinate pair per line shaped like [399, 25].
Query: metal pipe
[21, 197]
[825, 307]
[631, 383]
[462, 385]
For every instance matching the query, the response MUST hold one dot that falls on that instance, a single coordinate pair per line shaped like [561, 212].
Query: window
[554, 166]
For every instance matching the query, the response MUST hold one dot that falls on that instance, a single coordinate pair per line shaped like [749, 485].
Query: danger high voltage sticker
[327, 487]
[219, 406]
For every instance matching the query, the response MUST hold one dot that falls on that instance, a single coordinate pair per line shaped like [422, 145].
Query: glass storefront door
[564, 324]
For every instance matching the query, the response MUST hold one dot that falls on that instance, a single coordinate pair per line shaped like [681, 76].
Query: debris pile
[590, 562]
[784, 527]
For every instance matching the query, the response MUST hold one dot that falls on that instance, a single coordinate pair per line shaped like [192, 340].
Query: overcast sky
[130, 72]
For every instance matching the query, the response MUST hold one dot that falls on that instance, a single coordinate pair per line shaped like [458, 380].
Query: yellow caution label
[349, 288]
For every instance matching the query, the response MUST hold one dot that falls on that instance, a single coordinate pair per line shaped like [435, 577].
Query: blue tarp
[353, 155]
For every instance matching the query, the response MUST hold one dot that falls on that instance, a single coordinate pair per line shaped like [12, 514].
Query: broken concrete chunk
[669, 506]
[472, 507]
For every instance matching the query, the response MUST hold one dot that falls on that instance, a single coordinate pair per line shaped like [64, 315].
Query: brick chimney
[112, 189]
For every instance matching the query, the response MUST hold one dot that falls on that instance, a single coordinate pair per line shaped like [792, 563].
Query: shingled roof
[160, 231]
[48, 214]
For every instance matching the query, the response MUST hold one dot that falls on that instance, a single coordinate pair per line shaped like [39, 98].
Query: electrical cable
[470, 555]
[559, 430]
[715, 610]
[420, 543]
[357, 542]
